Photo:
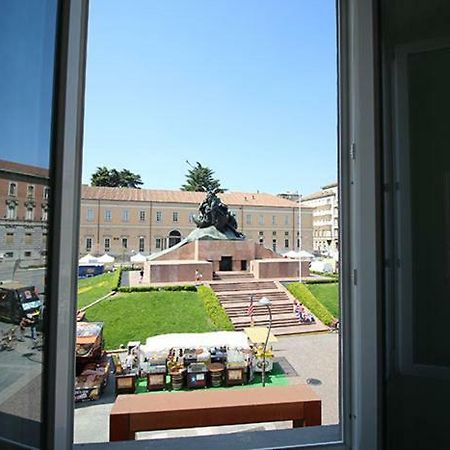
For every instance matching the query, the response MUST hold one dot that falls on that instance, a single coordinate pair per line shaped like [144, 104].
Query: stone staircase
[234, 294]
[229, 276]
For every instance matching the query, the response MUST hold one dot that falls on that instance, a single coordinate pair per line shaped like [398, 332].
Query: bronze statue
[215, 213]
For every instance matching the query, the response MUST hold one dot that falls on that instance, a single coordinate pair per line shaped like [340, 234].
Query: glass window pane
[27, 37]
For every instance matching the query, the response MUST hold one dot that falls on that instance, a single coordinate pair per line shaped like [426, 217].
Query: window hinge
[355, 277]
[352, 151]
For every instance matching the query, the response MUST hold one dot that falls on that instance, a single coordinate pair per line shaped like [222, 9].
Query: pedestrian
[198, 276]
[141, 273]
[28, 321]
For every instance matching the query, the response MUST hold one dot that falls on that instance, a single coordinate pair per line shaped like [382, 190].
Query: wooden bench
[164, 411]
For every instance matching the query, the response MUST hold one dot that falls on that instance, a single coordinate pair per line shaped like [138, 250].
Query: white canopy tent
[88, 259]
[164, 342]
[302, 254]
[139, 258]
[106, 259]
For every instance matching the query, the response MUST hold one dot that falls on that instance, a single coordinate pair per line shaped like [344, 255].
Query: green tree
[115, 178]
[201, 178]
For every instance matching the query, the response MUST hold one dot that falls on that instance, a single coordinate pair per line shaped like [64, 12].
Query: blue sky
[26, 74]
[247, 87]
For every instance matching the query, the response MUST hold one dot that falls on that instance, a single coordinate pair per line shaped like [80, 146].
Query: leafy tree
[114, 178]
[201, 178]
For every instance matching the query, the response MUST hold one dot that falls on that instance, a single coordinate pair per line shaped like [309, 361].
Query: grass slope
[328, 295]
[93, 288]
[136, 316]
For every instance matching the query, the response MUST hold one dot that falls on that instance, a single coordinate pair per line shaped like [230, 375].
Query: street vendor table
[125, 384]
[216, 370]
[149, 412]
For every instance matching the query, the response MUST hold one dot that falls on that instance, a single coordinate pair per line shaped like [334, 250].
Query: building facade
[24, 196]
[123, 222]
[325, 205]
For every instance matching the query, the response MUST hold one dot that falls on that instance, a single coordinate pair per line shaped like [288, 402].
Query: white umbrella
[139, 258]
[305, 255]
[302, 254]
[88, 259]
[291, 254]
[107, 259]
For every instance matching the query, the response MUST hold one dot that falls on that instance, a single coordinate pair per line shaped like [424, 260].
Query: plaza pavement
[313, 356]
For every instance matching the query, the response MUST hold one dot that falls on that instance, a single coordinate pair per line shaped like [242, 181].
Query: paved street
[20, 378]
[311, 357]
[20, 374]
[31, 277]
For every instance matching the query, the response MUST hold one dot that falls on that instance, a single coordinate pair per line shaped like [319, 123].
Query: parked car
[17, 300]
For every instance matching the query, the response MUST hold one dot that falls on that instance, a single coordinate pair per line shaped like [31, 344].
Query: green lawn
[93, 288]
[136, 316]
[328, 295]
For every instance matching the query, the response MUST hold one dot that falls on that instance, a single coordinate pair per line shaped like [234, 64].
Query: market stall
[92, 363]
[192, 361]
[258, 337]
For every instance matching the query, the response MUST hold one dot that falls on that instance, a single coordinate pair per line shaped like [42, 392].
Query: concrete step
[244, 313]
[294, 329]
[246, 304]
[240, 275]
[279, 318]
[245, 298]
[242, 286]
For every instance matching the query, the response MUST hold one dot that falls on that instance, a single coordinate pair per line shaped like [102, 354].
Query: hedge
[325, 274]
[304, 295]
[321, 281]
[214, 309]
[118, 280]
[127, 289]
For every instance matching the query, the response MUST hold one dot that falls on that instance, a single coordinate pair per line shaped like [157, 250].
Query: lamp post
[266, 302]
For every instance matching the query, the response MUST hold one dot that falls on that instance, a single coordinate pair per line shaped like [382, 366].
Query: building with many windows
[325, 204]
[24, 198]
[123, 221]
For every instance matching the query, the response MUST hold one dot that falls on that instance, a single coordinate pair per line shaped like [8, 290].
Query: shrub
[304, 295]
[326, 274]
[214, 309]
[117, 279]
[321, 281]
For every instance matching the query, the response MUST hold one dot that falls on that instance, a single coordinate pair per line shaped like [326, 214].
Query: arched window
[174, 237]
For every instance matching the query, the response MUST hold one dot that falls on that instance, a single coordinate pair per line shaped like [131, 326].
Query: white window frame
[142, 215]
[175, 216]
[11, 211]
[360, 376]
[29, 213]
[158, 216]
[107, 248]
[125, 215]
[107, 215]
[89, 215]
[31, 191]
[87, 247]
[160, 240]
[124, 243]
[13, 185]
[141, 241]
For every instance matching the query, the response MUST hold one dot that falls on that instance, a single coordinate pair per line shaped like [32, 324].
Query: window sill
[323, 438]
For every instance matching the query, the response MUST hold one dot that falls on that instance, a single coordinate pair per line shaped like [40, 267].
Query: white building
[325, 204]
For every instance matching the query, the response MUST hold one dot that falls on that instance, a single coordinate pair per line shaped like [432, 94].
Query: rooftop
[168, 196]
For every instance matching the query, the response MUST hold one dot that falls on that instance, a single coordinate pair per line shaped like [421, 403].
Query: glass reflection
[27, 37]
